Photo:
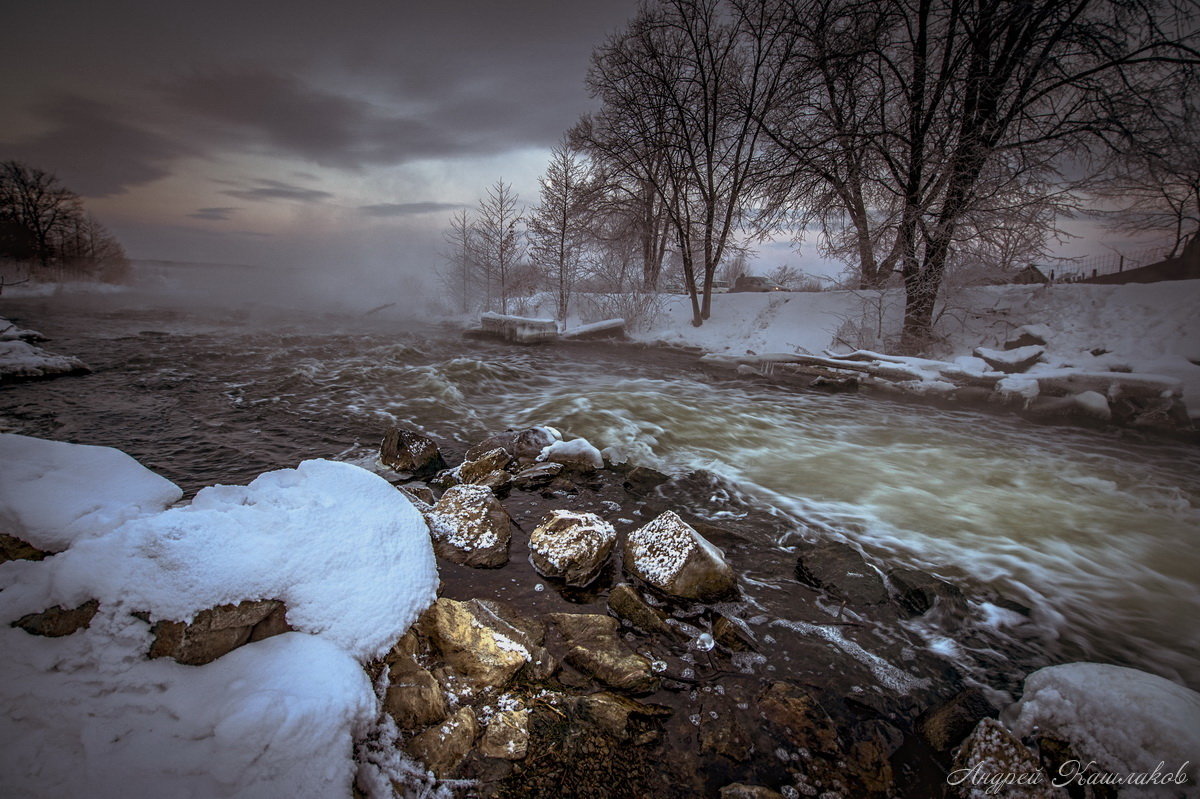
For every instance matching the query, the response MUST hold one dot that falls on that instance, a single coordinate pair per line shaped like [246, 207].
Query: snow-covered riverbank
[1148, 329]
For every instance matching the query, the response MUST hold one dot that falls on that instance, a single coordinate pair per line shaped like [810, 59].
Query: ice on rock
[577, 452]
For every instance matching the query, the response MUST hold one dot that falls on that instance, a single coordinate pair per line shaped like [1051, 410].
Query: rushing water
[1096, 530]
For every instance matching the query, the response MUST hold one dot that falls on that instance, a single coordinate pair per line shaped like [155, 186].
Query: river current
[1095, 530]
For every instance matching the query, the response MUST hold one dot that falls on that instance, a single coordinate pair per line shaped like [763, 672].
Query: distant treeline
[46, 232]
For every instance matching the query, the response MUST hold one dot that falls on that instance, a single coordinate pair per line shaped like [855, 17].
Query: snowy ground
[20, 358]
[87, 714]
[1142, 328]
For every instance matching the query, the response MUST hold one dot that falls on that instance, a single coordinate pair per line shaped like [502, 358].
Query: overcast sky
[293, 132]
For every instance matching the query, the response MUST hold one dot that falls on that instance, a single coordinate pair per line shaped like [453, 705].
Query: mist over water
[1093, 530]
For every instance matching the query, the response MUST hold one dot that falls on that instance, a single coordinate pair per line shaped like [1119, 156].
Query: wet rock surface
[619, 685]
[218, 631]
[571, 546]
[408, 451]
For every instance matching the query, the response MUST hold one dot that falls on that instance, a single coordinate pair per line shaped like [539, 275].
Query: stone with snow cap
[404, 450]
[571, 546]
[578, 453]
[1012, 361]
[670, 555]
[522, 445]
[470, 526]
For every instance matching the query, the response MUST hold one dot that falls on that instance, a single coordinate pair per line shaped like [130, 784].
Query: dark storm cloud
[95, 149]
[407, 209]
[267, 190]
[221, 214]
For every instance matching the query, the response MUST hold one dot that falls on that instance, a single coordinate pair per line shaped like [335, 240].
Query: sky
[294, 134]
[332, 140]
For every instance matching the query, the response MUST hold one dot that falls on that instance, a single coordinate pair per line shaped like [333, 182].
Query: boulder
[529, 633]
[571, 546]
[625, 602]
[946, 725]
[668, 554]
[487, 469]
[800, 718]
[482, 656]
[523, 446]
[536, 476]
[408, 451]
[415, 699]
[917, 592]
[58, 621]
[642, 481]
[506, 736]
[443, 748]
[470, 526]
[215, 632]
[595, 649]
[839, 569]
[733, 635]
[992, 755]
[13, 548]
[616, 715]
[1011, 361]
[418, 493]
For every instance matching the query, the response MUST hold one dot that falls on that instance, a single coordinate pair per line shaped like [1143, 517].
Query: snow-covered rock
[992, 756]
[1094, 404]
[670, 555]
[571, 546]
[1012, 361]
[88, 714]
[21, 359]
[470, 526]
[578, 453]
[10, 332]
[522, 446]
[411, 452]
[1126, 720]
[52, 493]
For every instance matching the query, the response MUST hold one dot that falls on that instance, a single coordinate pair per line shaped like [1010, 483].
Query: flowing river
[1094, 530]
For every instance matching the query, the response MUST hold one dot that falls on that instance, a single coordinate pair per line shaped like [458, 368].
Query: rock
[1027, 336]
[483, 656]
[738, 790]
[945, 726]
[670, 555]
[870, 756]
[536, 476]
[627, 604]
[839, 569]
[801, 719]
[212, 633]
[595, 649]
[13, 548]
[523, 446]
[529, 633]
[723, 734]
[987, 755]
[57, 621]
[506, 736]
[443, 748]
[918, 592]
[836, 385]
[612, 713]
[733, 635]
[415, 700]
[642, 481]
[418, 493]
[406, 450]
[274, 624]
[470, 526]
[571, 546]
[577, 455]
[487, 469]
[1093, 404]
[1012, 361]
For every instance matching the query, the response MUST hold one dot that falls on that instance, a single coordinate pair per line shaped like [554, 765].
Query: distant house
[1029, 276]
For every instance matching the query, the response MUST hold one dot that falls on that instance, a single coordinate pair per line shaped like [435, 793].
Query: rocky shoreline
[609, 678]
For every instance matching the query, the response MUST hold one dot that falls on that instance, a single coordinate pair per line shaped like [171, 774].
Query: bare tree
[34, 202]
[558, 227]
[499, 242]
[459, 273]
[683, 89]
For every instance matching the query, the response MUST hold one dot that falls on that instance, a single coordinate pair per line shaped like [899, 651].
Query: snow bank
[576, 451]
[1124, 719]
[89, 715]
[10, 332]
[21, 359]
[52, 493]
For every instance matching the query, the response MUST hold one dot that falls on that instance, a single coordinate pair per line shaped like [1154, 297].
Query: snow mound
[576, 451]
[52, 493]
[1124, 719]
[348, 554]
[21, 359]
[89, 715]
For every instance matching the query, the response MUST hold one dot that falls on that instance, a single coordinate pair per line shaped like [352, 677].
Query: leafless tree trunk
[499, 239]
